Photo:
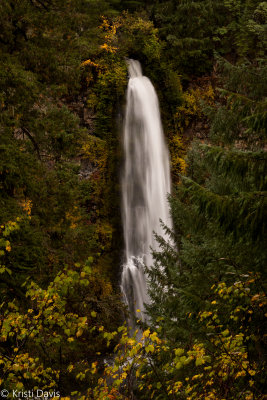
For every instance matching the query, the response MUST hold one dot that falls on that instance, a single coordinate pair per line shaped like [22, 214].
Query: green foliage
[188, 36]
[50, 227]
[244, 168]
[63, 78]
[219, 215]
[243, 118]
[219, 211]
[42, 46]
[227, 362]
[41, 345]
[192, 30]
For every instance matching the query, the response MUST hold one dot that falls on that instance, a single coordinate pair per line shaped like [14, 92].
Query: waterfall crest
[145, 184]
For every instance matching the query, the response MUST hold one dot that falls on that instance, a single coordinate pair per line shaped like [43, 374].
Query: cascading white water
[145, 185]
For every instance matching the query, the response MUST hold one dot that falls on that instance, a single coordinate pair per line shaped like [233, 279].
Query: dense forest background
[63, 79]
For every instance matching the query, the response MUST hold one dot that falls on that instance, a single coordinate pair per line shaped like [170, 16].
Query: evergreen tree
[219, 213]
[47, 223]
[188, 29]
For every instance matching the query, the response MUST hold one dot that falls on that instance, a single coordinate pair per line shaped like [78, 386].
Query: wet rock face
[87, 118]
[86, 168]
[199, 130]
[86, 115]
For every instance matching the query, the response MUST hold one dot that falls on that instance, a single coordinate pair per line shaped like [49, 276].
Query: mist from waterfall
[145, 185]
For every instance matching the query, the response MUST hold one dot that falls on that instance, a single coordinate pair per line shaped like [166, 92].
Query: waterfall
[145, 185]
